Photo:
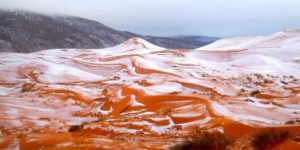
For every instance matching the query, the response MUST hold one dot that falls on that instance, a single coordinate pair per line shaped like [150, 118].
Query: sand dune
[138, 95]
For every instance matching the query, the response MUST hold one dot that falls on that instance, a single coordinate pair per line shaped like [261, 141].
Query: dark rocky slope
[27, 32]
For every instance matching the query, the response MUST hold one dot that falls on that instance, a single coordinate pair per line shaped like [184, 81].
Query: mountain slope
[28, 32]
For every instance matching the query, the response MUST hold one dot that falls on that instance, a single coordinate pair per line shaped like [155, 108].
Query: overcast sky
[223, 18]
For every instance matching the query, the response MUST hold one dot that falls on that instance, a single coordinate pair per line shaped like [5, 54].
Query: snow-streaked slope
[277, 53]
[284, 39]
[140, 96]
[134, 45]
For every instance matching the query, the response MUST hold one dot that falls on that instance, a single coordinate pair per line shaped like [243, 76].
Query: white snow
[264, 64]
[57, 73]
[222, 110]
[133, 46]
[134, 102]
[276, 54]
[147, 64]
[4, 91]
[165, 87]
[283, 39]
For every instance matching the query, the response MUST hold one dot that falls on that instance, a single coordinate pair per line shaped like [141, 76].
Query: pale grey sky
[221, 18]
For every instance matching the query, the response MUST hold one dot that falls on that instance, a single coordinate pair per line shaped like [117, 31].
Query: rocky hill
[27, 32]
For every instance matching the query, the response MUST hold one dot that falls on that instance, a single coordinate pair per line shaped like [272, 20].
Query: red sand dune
[140, 96]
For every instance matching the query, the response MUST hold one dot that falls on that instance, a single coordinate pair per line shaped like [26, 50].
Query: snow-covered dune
[284, 39]
[137, 95]
[276, 53]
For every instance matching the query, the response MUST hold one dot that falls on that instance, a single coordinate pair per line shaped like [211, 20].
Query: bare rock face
[29, 32]
[5, 46]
